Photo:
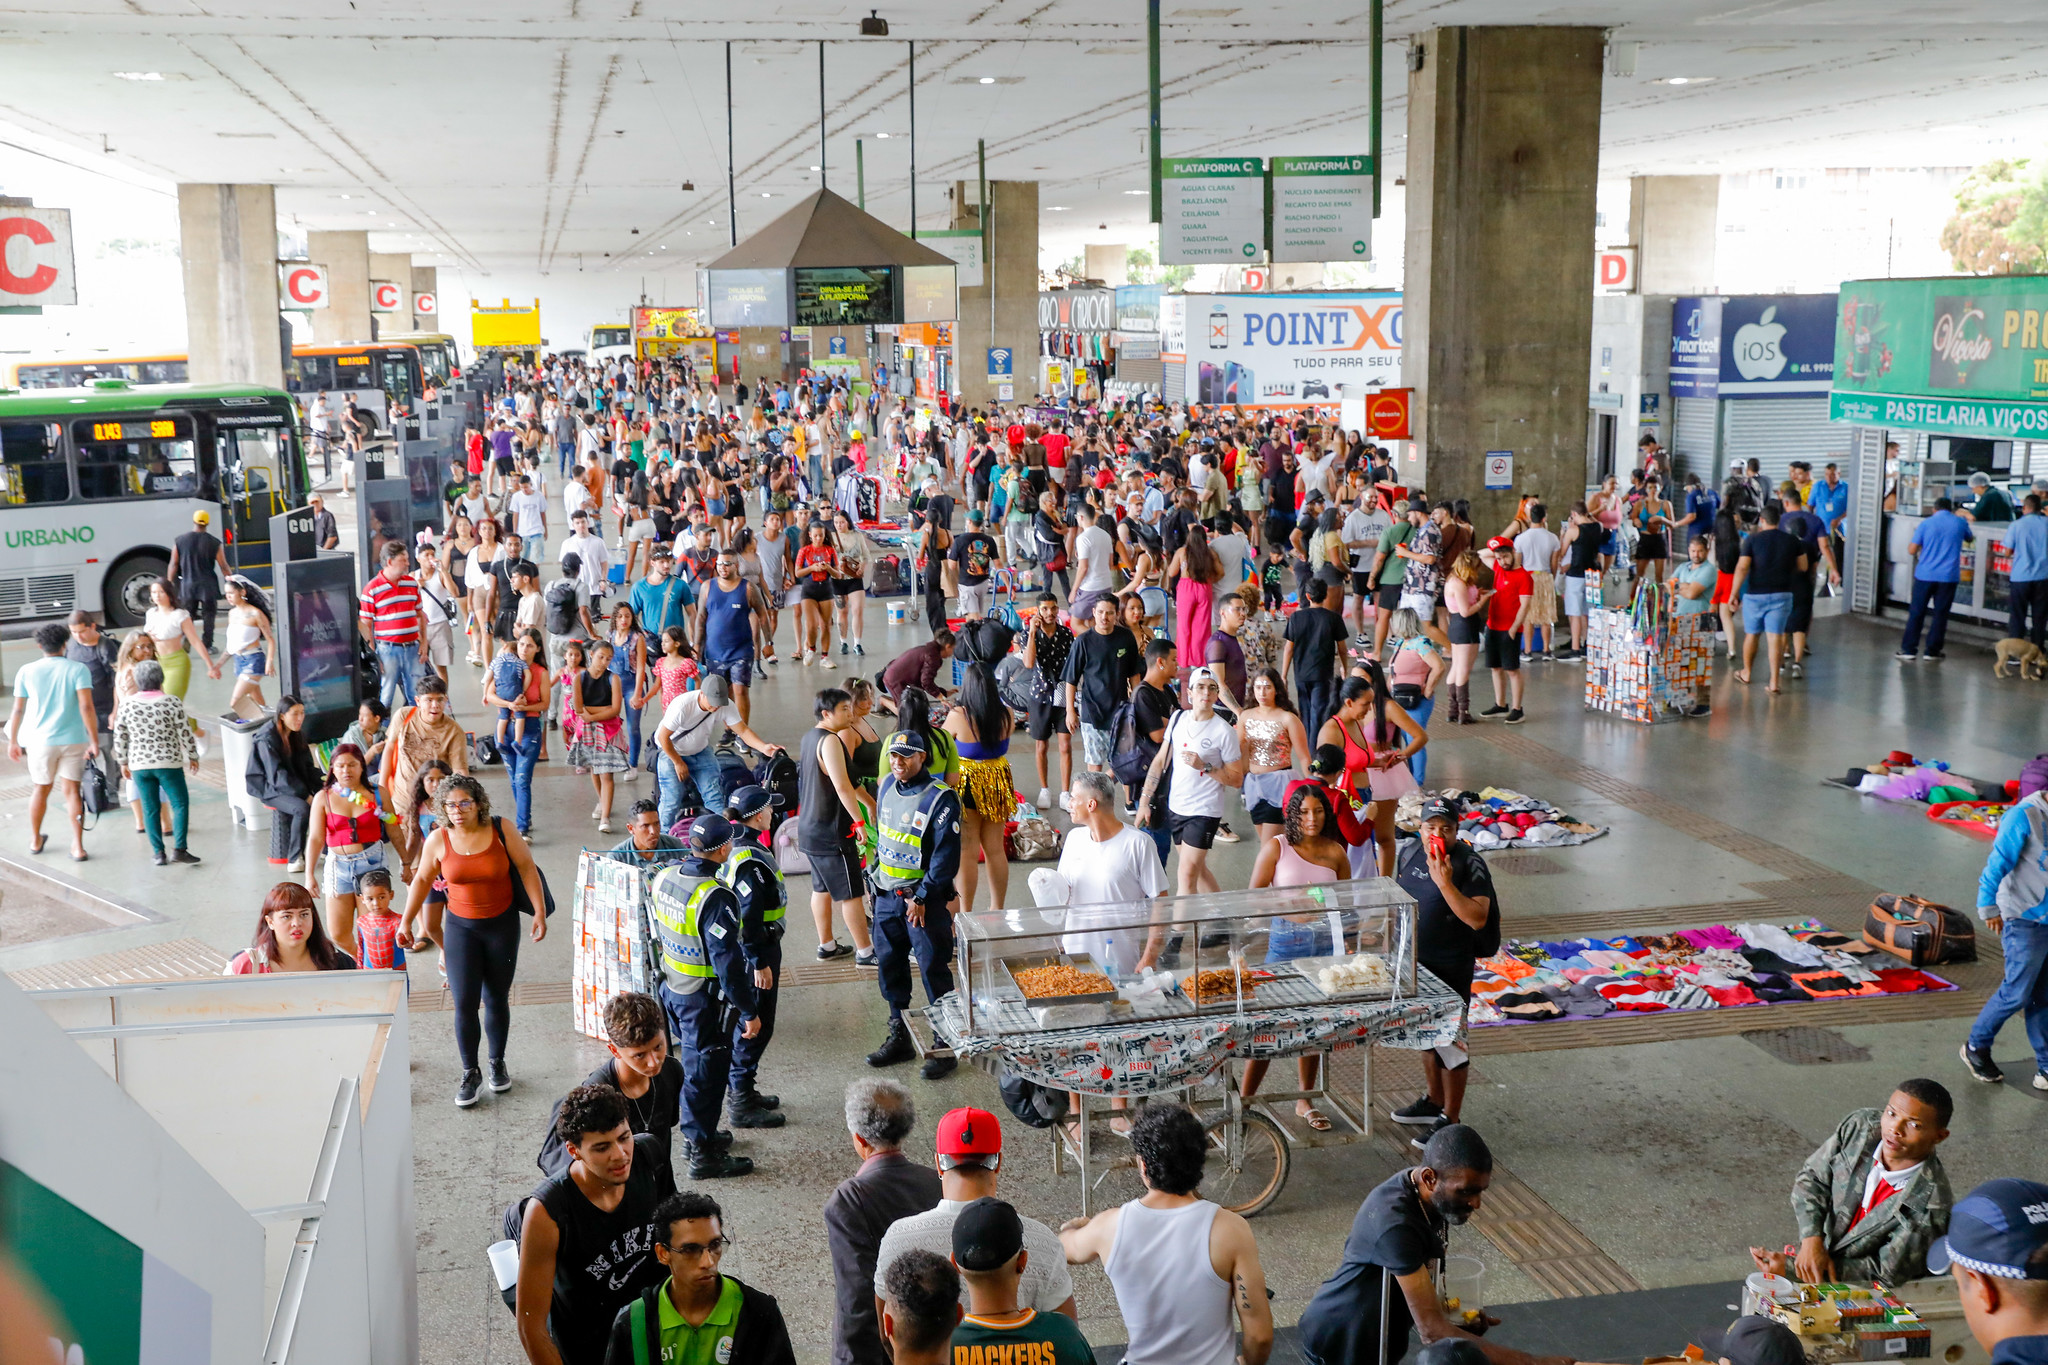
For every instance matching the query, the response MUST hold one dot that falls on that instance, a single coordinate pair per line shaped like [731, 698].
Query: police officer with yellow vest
[917, 853]
[705, 987]
[753, 873]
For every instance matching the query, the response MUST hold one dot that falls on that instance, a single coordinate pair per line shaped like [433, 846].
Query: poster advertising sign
[1137, 307]
[1322, 208]
[1777, 344]
[36, 265]
[1966, 355]
[1213, 209]
[1696, 347]
[748, 298]
[1077, 310]
[1173, 326]
[666, 324]
[1283, 350]
[301, 286]
[962, 246]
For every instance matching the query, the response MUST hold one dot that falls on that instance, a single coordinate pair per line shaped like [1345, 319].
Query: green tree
[1141, 267]
[2000, 226]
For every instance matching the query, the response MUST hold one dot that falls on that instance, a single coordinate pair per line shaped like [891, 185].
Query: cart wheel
[1247, 1180]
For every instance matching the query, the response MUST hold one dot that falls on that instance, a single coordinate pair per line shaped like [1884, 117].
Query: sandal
[1742, 678]
[1315, 1118]
[36, 844]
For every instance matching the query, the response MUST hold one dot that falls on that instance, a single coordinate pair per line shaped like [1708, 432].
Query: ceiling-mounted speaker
[874, 26]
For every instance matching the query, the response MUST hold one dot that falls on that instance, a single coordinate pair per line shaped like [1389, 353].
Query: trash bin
[237, 741]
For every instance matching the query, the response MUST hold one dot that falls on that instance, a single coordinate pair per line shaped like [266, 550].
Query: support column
[396, 271]
[426, 279]
[1674, 222]
[228, 243]
[1010, 266]
[347, 258]
[1109, 262]
[1503, 152]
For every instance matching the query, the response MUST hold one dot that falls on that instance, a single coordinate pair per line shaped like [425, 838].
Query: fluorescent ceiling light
[1137, 191]
[1058, 208]
[1687, 80]
[138, 75]
[881, 135]
[988, 80]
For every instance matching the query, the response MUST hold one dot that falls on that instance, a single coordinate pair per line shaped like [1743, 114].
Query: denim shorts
[344, 870]
[1767, 613]
[249, 664]
[1286, 940]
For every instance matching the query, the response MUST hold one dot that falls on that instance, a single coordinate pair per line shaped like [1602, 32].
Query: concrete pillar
[1674, 222]
[1109, 262]
[1011, 270]
[1503, 151]
[395, 270]
[426, 280]
[347, 258]
[228, 243]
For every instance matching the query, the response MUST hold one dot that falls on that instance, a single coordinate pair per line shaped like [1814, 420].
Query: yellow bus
[437, 352]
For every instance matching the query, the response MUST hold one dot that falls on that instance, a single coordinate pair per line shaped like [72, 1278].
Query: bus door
[356, 376]
[256, 478]
[396, 373]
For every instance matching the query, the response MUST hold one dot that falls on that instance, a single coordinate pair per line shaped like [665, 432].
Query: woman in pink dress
[1197, 571]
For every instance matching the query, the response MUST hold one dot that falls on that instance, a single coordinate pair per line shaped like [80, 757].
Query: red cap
[970, 1132]
[1500, 543]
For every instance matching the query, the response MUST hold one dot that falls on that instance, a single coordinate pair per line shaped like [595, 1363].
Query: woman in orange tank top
[1367, 724]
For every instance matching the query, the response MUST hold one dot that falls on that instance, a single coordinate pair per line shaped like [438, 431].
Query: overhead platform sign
[1322, 208]
[1212, 211]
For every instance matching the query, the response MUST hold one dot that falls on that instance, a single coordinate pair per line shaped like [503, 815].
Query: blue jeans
[563, 450]
[1316, 702]
[631, 715]
[1162, 838]
[2025, 987]
[1419, 764]
[1928, 598]
[704, 771]
[400, 665]
[520, 758]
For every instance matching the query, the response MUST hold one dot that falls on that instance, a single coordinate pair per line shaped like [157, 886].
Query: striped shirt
[392, 609]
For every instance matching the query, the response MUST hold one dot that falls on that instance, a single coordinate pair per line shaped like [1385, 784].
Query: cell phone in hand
[1438, 846]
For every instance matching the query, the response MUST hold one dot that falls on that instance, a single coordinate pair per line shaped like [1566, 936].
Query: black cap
[1443, 807]
[1758, 1341]
[751, 801]
[987, 1235]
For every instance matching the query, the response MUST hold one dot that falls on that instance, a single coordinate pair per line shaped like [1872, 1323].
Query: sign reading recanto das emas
[301, 286]
[36, 265]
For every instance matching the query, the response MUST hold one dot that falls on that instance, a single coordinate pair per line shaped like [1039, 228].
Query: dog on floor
[2024, 655]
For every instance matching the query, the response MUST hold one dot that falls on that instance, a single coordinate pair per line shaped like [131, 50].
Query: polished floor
[1665, 1157]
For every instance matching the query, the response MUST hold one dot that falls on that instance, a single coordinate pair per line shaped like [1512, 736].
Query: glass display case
[1028, 969]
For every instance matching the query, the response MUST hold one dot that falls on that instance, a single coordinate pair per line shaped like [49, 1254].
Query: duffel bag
[1919, 931]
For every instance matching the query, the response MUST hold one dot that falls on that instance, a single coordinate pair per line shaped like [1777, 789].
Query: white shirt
[1538, 549]
[574, 497]
[1107, 878]
[1094, 547]
[476, 508]
[1214, 741]
[1045, 1284]
[529, 514]
[1365, 524]
[1315, 474]
[1233, 550]
[691, 728]
[596, 559]
[1898, 1180]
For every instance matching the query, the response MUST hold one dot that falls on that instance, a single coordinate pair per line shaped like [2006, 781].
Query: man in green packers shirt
[988, 1250]
[697, 1316]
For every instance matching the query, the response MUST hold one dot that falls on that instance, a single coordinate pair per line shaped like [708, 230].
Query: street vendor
[645, 846]
[1874, 1197]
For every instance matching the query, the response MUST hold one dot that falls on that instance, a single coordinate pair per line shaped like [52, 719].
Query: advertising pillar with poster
[315, 600]
[1291, 350]
[661, 332]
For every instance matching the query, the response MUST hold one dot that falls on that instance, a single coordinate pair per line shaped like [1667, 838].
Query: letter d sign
[302, 287]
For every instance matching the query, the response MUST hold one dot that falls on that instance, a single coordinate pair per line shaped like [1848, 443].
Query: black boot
[749, 1112]
[719, 1165]
[896, 1048]
[936, 1067]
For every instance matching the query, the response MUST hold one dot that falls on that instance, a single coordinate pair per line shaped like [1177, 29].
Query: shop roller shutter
[1143, 372]
[1173, 380]
[1777, 431]
[1695, 438]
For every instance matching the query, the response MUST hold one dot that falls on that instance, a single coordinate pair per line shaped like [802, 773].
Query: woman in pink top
[1605, 505]
[1302, 856]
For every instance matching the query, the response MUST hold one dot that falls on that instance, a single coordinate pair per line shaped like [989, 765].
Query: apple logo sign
[1758, 354]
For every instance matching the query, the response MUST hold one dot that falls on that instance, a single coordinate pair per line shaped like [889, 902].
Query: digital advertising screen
[845, 296]
[929, 294]
[748, 298]
[322, 645]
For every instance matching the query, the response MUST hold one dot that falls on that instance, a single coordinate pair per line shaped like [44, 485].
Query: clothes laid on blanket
[1780, 942]
[1764, 960]
[1776, 988]
[1731, 962]
[1509, 967]
[1527, 1005]
[1905, 980]
[1728, 997]
[1833, 985]
[1714, 936]
[1531, 953]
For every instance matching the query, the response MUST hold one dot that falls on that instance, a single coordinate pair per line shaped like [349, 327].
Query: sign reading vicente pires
[1260, 350]
[301, 286]
[1966, 355]
[1322, 208]
[36, 264]
[1213, 210]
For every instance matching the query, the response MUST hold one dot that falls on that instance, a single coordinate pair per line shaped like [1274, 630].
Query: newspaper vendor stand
[1643, 663]
[1055, 995]
[611, 934]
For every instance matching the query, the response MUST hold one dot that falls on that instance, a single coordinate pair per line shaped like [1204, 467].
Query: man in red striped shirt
[391, 620]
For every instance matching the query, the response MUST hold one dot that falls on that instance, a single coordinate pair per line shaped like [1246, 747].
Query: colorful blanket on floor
[1715, 966]
[1501, 817]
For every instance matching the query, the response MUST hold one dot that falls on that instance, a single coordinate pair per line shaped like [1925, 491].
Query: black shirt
[1101, 668]
[974, 552]
[1152, 708]
[198, 565]
[99, 661]
[1445, 944]
[1773, 556]
[655, 1113]
[823, 824]
[1396, 1230]
[1315, 633]
[604, 1259]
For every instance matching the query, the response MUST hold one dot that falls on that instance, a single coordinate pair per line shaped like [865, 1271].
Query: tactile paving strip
[179, 960]
[1803, 1046]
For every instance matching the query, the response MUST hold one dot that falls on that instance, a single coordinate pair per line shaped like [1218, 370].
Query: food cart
[1161, 997]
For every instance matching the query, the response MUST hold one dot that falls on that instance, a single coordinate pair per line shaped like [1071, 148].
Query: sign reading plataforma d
[1322, 208]
[1213, 209]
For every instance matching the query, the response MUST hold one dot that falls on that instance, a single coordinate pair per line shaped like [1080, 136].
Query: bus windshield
[610, 336]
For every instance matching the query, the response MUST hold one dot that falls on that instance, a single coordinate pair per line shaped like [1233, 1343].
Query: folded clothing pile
[1899, 776]
[1714, 966]
[1499, 817]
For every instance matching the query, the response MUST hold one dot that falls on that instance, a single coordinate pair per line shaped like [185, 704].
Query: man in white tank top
[1177, 1261]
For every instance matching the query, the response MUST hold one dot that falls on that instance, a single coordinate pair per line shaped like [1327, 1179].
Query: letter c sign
[384, 296]
[35, 257]
[304, 286]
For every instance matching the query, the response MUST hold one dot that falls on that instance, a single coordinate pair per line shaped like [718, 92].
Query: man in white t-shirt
[590, 549]
[1094, 564]
[1204, 747]
[529, 513]
[693, 723]
[1538, 549]
[1108, 867]
[1362, 530]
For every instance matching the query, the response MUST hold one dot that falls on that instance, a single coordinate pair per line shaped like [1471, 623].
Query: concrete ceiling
[536, 136]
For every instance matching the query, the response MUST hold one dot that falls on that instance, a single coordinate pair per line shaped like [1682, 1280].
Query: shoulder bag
[522, 902]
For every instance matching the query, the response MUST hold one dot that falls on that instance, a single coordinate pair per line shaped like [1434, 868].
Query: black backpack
[984, 640]
[562, 617]
[1131, 753]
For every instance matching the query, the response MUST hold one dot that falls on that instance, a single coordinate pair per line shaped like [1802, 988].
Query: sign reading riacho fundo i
[1212, 209]
[42, 537]
[1966, 354]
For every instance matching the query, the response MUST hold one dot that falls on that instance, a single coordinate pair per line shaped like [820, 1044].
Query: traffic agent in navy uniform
[917, 820]
[706, 989]
[755, 876]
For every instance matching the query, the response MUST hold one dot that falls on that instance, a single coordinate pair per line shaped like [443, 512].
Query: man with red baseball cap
[1507, 611]
[970, 1149]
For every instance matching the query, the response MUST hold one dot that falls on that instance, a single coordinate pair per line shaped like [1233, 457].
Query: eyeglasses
[458, 805]
[692, 1251]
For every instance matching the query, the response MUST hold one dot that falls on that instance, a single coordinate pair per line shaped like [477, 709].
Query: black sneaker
[721, 1165]
[1981, 1066]
[1932, 658]
[1424, 1110]
[937, 1068]
[896, 1048]
[1515, 717]
[865, 960]
[180, 855]
[467, 1093]
[501, 1079]
[746, 1113]
[837, 950]
[160, 858]
[1905, 656]
[1421, 1139]
[1495, 710]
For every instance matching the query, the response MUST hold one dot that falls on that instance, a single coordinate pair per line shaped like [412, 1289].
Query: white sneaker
[199, 736]
[1067, 802]
[827, 662]
[604, 827]
[1045, 798]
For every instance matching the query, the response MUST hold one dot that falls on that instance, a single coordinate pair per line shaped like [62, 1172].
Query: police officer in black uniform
[754, 875]
[918, 851]
[706, 989]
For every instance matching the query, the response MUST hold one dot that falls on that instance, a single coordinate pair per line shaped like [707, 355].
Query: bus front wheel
[126, 597]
